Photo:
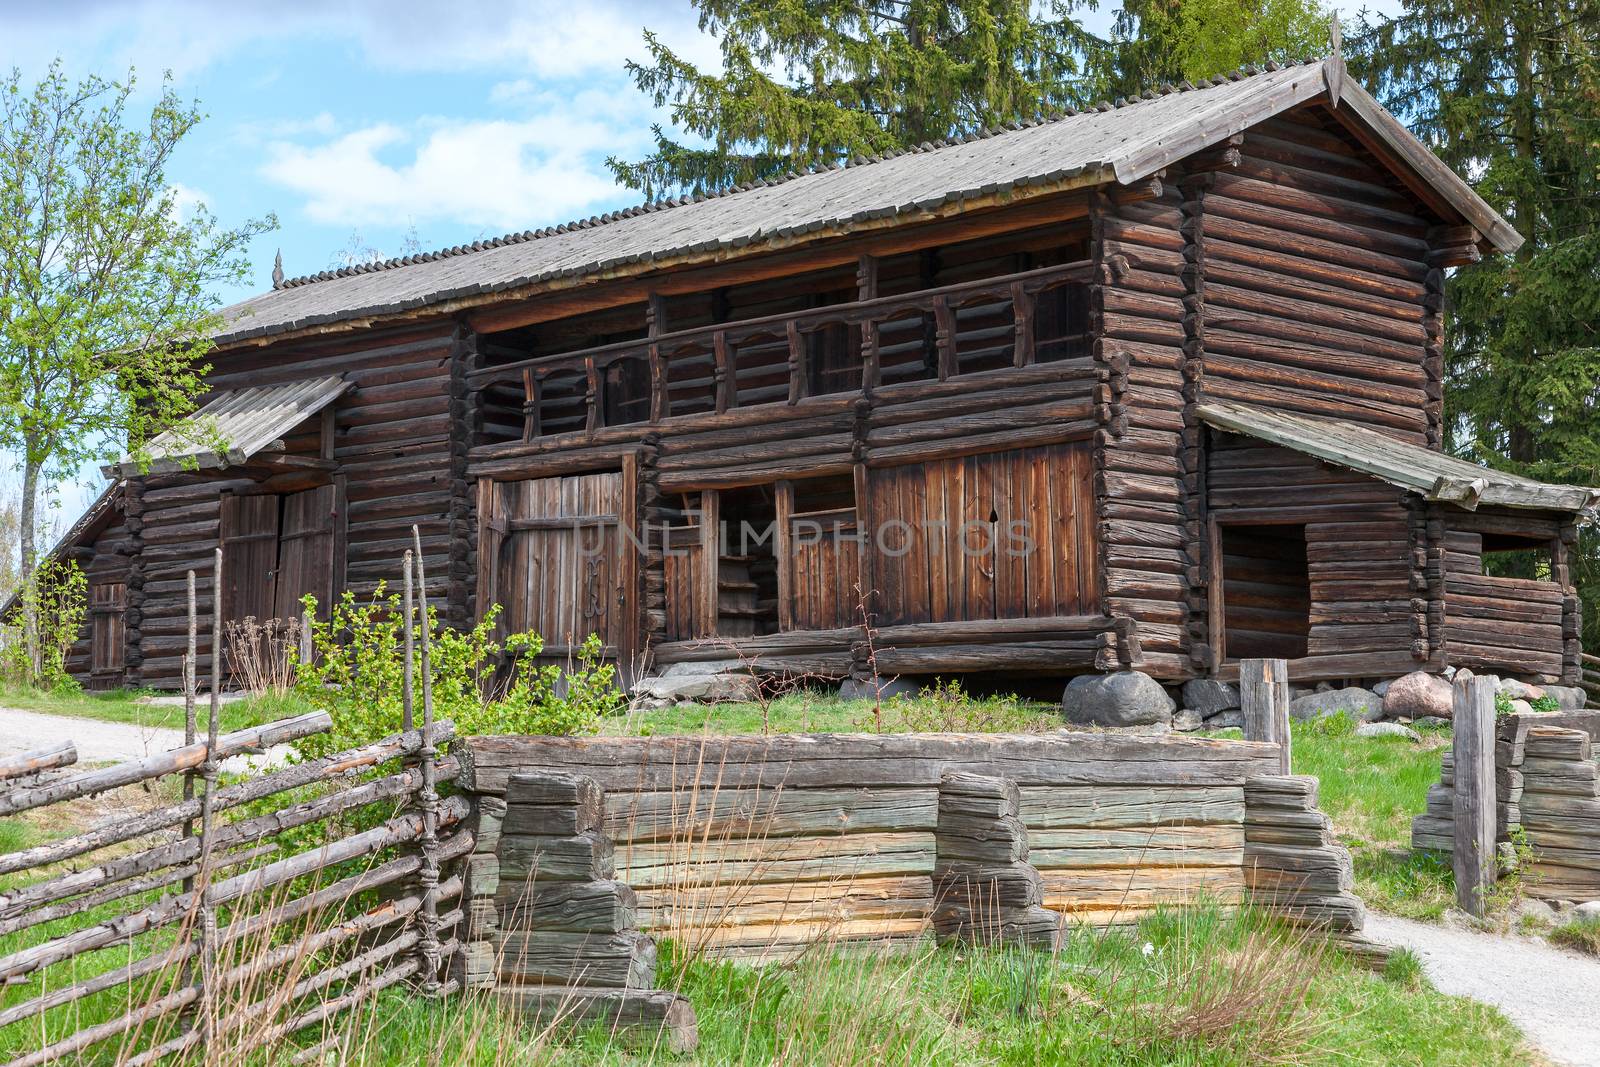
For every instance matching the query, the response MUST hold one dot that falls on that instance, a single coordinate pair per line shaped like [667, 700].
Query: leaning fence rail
[183, 913]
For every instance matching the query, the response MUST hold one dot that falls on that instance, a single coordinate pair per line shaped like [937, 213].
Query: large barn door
[557, 562]
[249, 556]
[305, 552]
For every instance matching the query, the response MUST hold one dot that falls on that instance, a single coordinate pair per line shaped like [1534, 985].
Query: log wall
[400, 452]
[763, 846]
[1358, 542]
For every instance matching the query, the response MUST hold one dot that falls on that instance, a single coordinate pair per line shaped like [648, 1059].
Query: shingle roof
[1412, 467]
[244, 420]
[1124, 143]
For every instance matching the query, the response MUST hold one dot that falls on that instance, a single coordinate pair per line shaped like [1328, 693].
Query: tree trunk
[29, 556]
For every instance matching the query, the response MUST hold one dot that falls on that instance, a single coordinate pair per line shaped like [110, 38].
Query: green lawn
[1371, 787]
[1204, 992]
[808, 711]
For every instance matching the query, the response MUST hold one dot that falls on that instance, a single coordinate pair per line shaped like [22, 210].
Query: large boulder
[1569, 697]
[1362, 705]
[1387, 729]
[1126, 698]
[1188, 720]
[1417, 695]
[1519, 690]
[709, 682]
[1209, 696]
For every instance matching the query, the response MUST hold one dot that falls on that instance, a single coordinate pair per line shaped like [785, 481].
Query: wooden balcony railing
[794, 355]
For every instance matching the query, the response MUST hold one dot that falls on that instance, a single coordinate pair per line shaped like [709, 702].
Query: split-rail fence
[249, 910]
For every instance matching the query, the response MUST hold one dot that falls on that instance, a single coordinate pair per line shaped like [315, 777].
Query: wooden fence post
[1473, 799]
[1264, 696]
[208, 777]
[427, 795]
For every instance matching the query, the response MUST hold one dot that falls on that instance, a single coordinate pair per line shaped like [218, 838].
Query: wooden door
[556, 561]
[305, 552]
[249, 537]
[107, 601]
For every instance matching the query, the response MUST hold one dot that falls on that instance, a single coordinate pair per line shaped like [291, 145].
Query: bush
[357, 675]
[53, 597]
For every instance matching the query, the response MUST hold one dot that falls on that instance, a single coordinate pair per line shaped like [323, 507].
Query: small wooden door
[107, 601]
[305, 552]
[555, 558]
[249, 537]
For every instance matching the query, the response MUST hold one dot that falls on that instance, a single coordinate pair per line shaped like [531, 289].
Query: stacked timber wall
[398, 463]
[762, 846]
[1547, 795]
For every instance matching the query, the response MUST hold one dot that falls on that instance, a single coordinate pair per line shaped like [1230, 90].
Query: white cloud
[534, 37]
[497, 174]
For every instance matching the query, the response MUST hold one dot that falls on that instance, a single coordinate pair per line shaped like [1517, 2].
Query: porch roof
[1412, 467]
[232, 427]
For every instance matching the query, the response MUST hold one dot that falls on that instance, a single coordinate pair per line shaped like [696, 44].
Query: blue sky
[360, 123]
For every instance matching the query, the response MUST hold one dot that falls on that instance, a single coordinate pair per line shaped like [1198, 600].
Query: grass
[1204, 992]
[124, 705]
[1580, 935]
[1371, 787]
[946, 708]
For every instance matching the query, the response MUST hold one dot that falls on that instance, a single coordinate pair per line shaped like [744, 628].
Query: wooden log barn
[1157, 385]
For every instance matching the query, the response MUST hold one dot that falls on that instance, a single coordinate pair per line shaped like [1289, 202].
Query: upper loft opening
[1004, 301]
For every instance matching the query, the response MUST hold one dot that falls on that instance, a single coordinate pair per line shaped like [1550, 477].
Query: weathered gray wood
[1473, 806]
[714, 812]
[1264, 696]
[325, 769]
[256, 739]
[39, 759]
[599, 907]
[651, 1018]
[584, 857]
[622, 764]
[560, 957]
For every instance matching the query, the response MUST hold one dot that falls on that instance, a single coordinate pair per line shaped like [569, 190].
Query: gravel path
[1553, 995]
[99, 741]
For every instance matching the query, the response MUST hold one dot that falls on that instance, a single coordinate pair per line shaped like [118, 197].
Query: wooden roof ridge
[1062, 114]
[1125, 141]
[1406, 465]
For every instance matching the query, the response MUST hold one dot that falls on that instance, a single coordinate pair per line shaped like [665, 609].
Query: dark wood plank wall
[104, 561]
[1315, 280]
[1358, 541]
[1496, 623]
[1143, 496]
[393, 446]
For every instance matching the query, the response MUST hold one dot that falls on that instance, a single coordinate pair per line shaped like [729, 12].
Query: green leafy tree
[106, 282]
[1509, 94]
[814, 82]
[1155, 42]
[810, 82]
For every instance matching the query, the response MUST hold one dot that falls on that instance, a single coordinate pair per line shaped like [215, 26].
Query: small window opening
[1507, 556]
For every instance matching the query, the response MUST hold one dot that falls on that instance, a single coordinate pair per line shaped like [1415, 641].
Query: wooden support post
[591, 395]
[1473, 798]
[797, 361]
[1022, 305]
[427, 796]
[655, 317]
[944, 318]
[867, 289]
[1264, 695]
[531, 388]
[722, 379]
[207, 921]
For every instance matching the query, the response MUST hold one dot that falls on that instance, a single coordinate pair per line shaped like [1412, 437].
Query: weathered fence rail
[246, 911]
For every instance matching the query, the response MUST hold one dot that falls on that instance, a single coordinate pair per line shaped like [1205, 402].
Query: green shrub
[358, 677]
[1546, 703]
[1581, 935]
[1502, 704]
[53, 597]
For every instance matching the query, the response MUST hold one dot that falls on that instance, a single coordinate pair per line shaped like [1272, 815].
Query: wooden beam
[1473, 799]
[1264, 696]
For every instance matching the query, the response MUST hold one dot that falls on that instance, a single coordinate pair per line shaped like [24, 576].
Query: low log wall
[1547, 792]
[762, 846]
